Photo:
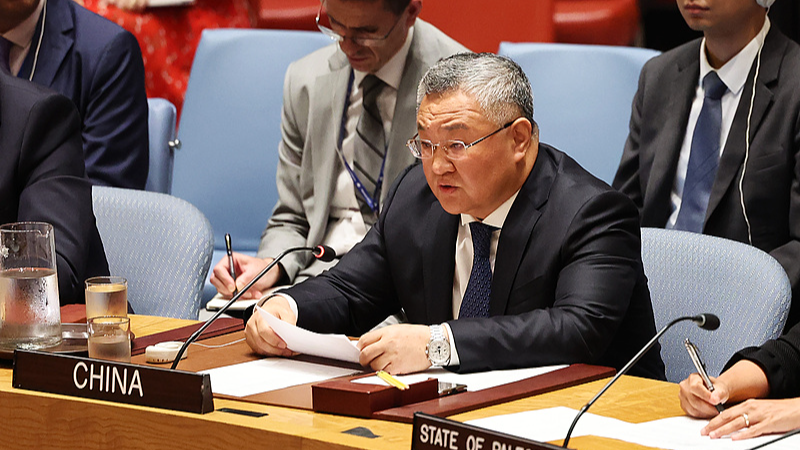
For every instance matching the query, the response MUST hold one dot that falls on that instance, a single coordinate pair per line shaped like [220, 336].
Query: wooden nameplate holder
[112, 381]
[435, 433]
[342, 396]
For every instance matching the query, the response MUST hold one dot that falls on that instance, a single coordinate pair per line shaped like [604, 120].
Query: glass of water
[109, 338]
[106, 296]
[30, 314]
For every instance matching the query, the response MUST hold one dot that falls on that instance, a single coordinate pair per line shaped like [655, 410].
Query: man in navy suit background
[98, 65]
[557, 275]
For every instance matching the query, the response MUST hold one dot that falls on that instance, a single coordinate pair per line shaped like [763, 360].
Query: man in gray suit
[336, 160]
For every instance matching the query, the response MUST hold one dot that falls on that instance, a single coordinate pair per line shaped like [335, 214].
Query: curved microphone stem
[779, 438]
[623, 371]
[222, 310]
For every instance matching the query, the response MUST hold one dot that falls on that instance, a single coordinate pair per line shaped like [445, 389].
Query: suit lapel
[439, 262]
[666, 153]
[327, 115]
[518, 229]
[404, 120]
[56, 43]
[733, 155]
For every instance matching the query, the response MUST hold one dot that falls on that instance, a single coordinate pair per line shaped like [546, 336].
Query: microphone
[705, 321]
[320, 252]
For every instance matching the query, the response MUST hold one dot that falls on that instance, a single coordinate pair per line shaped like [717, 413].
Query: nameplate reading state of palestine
[435, 433]
[112, 381]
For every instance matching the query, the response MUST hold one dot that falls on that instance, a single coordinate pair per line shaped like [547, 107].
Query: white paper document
[674, 433]
[552, 424]
[269, 374]
[473, 381]
[683, 433]
[334, 346]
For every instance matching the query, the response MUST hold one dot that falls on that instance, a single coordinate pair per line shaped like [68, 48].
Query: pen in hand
[229, 250]
[694, 354]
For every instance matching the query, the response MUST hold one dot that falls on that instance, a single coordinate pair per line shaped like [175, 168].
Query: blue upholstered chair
[582, 97]
[161, 244]
[230, 129]
[690, 273]
[161, 127]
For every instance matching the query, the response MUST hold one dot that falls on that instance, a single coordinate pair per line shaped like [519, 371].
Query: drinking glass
[109, 338]
[30, 314]
[106, 296]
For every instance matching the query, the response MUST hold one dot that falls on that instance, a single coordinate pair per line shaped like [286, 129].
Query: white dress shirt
[734, 74]
[346, 226]
[22, 36]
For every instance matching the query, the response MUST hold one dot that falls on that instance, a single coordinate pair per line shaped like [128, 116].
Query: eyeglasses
[366, 41]
[453, 149]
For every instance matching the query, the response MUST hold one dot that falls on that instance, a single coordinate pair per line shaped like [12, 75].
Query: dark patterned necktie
[703, 157]
[479, 287]
[370, 146]
[5, 50]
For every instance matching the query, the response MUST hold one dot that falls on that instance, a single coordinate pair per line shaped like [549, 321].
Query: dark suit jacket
[42, 179]
[98, 65]
[780, 360]
[568, 282]
[772, 179]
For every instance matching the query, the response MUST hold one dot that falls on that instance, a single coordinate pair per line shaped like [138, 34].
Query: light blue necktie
[479, 287]
[5, 50]
[703, 159]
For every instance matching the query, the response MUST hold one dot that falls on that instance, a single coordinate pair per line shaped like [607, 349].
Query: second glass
[109, 338]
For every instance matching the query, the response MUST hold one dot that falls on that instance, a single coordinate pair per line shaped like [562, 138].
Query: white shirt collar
[22, 34]
[497, 218]
[734, 72]
[392, 72]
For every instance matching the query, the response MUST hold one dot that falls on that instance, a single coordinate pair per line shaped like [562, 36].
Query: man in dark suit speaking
[510, 255]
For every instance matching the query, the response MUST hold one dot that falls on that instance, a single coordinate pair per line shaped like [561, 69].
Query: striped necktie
[370, 146]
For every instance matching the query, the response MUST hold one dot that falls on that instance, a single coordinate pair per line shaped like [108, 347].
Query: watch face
[439, 352]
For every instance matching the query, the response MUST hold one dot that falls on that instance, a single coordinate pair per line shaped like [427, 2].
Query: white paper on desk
[683, 433]
[334, 346]
[551, 424]
[269, 374]
[474, 381]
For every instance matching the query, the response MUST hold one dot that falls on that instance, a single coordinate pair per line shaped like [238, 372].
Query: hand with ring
[755, 418]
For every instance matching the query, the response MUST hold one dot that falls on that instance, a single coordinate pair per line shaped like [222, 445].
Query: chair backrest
[582, 97]
[230, 128]
[161, 127]
[690, 273]
[161, 244]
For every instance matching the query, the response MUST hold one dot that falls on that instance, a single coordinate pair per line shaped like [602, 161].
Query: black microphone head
[324, 253]
[706, 321]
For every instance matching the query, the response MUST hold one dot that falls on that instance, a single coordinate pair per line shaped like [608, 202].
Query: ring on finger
[746, 420]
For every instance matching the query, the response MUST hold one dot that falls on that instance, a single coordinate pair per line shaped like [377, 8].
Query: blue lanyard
[371, 200]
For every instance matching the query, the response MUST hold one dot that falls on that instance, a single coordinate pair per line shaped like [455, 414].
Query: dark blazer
[771, 182]
[568, 282]
[780, 361]
[42, 179]
[98, 65]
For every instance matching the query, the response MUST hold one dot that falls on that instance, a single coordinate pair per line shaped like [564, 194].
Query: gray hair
[497, 83]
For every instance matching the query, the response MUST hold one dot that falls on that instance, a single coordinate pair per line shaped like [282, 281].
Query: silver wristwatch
[438, 349]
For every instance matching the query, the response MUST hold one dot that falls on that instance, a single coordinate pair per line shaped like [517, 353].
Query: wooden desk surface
[33, 420]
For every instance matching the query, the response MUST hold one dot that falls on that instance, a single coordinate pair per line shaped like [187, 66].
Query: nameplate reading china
[435, 433]
[112, 381]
